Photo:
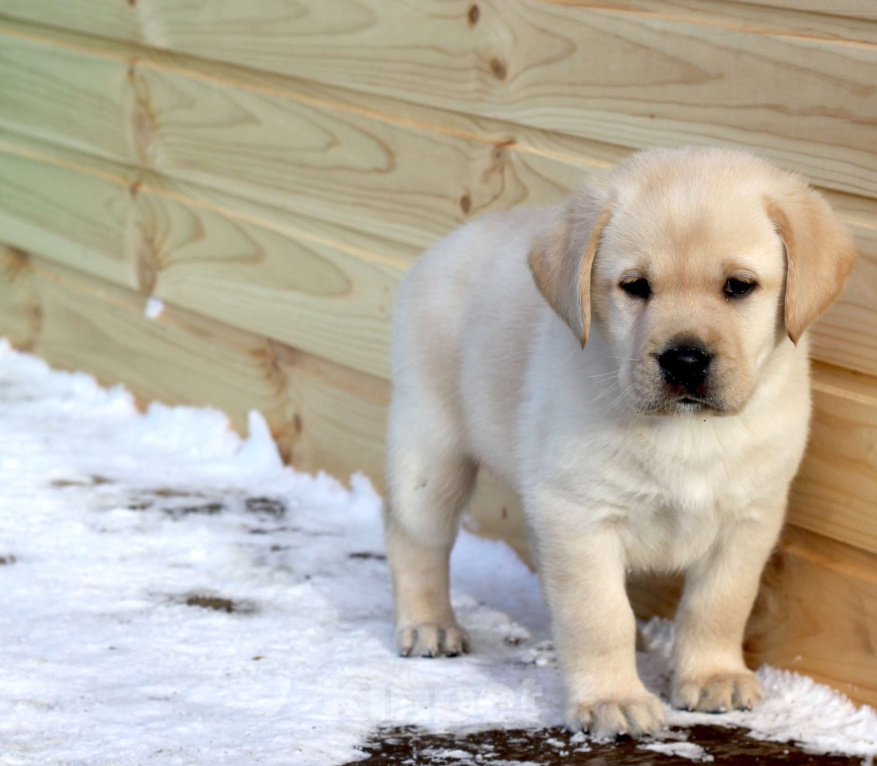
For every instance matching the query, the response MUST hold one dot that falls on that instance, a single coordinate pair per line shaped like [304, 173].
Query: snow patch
[682, 749]
[153, 308]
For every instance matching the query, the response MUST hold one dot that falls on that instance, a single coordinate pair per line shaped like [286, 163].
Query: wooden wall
[270, 169]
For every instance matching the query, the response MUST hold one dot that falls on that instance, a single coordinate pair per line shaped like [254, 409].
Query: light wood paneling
[837, 484]
[630, 74]
[403, 172]
[120, 21]
[854, 9]
[184, 24]
[81, 323]
[847, 335]
[817, 614]
[246, 265]
[20, 312]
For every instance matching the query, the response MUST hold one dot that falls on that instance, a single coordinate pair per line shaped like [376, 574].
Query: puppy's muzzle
[685, 368]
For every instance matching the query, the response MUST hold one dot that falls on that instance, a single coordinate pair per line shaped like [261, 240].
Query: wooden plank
[709, 78]
[836, 488]
[847, 335]
[83, 323]
[342, 416]
[854, 9]
[51, 91]
[817, 614]
[172, 24]
[405, 173]
[108, 19]
[610, 74]
[225, 258]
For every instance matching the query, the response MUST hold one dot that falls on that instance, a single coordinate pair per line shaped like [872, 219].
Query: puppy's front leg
[583, 577]
[710, 674]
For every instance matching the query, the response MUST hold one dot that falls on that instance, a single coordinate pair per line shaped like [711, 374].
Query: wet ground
[557, 747]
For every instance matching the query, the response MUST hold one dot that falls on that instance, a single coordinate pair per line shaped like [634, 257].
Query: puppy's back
[464, 315]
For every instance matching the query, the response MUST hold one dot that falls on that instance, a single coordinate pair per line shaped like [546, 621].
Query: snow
[154, 307]
[682, 749]
[173, 593]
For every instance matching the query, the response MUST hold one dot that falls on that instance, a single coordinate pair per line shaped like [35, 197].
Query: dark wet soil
[554, 747]
[218, 603]
[270, 506]
[92, 481]
[367, 555]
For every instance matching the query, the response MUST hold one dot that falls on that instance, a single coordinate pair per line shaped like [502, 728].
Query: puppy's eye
[736, 288]
[638, 288]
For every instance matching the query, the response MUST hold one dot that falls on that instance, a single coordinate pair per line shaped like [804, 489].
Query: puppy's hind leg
[428, 486]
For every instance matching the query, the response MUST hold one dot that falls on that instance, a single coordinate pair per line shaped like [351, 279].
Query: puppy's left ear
[820, 254]
[562, 256]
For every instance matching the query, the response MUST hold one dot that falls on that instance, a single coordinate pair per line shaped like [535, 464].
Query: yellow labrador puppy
[634, 363]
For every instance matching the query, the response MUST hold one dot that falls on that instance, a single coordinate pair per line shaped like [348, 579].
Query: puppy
[635, 364]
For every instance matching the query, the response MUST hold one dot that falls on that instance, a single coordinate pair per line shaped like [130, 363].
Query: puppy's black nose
[685, 366]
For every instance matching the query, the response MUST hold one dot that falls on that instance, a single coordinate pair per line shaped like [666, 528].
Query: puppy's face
[695, 264]
[688, 288]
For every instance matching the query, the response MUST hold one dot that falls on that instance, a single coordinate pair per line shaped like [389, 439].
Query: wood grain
[626, 73]
[837, 484]
[172, 24]
[406, 173]
[844, 336]
[246, 265]
[77, 322]
[817, 614]
[109, 19]
[855, 9]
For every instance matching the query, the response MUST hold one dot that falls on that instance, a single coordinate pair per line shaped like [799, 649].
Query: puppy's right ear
[561, 258]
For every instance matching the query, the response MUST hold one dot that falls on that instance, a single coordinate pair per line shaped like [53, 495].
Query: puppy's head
[695, 264]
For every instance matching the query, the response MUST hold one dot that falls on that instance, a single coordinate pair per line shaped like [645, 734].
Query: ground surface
[557, 747]
[173, 595]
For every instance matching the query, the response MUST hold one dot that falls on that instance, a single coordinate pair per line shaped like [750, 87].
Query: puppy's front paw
[717, 694]
[608, 718]
[429, 639]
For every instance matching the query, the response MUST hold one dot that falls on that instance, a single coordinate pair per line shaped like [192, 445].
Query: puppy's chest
[715, 485]
[678, 497]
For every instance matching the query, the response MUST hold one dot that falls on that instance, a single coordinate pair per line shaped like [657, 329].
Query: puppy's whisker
[614, 387]
[620, 396]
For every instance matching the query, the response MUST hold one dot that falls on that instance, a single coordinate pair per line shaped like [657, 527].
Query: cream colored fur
[614, 473]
